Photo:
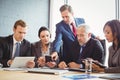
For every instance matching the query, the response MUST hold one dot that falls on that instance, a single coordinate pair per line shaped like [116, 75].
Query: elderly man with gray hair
[84, 47]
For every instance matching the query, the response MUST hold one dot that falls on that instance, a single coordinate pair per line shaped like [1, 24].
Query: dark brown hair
[43, 28]
[19, 22]
[115, 27]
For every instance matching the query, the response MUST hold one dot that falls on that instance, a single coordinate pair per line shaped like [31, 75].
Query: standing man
[65, 33]
[15, 44]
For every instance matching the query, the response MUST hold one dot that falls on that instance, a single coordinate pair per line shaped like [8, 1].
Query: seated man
[84, 47]
[15, 44]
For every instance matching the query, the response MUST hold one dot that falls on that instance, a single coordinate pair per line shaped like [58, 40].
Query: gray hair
[85, 27]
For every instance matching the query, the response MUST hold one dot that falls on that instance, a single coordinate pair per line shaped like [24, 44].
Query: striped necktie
[73, 28]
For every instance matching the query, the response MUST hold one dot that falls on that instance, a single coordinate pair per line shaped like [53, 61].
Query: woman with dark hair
[42, 48]
[112, 34]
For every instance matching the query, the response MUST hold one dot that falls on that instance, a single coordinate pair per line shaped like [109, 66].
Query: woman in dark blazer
[42, 48]
[112, 34]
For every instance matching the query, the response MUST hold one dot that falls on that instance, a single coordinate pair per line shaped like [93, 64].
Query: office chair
[103, 42]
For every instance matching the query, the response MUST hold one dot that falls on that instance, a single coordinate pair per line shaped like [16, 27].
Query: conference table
[24, 75]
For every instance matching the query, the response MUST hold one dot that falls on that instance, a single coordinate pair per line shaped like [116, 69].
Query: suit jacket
[36, 50]
[6, 49]
[93, 49]
[113, 61]
[64, 37]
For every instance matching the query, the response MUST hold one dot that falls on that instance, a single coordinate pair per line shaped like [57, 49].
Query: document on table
[80, 76]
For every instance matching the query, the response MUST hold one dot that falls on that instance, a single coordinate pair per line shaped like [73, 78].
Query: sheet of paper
[80, 76]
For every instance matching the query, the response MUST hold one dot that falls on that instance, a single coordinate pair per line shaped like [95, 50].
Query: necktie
[17, 51]
[80, 53]
[81, 49]
[73, 29]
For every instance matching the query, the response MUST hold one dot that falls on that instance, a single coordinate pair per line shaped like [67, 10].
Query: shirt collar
[72, 22]
[14, 41]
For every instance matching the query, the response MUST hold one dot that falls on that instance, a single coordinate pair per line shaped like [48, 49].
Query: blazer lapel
[67, 27]
[11, 46]
[38, 49]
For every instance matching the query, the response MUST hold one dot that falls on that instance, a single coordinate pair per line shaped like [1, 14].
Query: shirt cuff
[81, 65]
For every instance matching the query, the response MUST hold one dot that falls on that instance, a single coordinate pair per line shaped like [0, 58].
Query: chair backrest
[103, 42]
[1, 39]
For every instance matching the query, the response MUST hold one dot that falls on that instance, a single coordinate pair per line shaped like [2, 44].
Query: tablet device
[111, 76]
[20, 62]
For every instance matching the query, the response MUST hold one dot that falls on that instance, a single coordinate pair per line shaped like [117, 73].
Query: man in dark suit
[65, 34]
[8, 44]
[84, 47]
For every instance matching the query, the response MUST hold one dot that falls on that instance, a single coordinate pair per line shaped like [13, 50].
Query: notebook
[115, 76]
[19, 63]
[47, 71]
[80, 77]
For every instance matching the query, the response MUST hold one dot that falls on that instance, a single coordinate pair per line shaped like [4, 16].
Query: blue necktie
[81, 49]
[17, 51]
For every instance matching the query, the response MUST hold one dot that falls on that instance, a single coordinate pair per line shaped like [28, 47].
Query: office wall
[33, 12]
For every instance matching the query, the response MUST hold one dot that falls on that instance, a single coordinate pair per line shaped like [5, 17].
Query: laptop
[19, 63]
[47, 71]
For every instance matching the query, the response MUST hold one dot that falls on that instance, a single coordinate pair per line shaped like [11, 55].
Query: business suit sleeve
[0, 49]
[74, 52]
[79, 21]
[26, 48]
[35, 54]
[58, 39]
[113, 61]
[33, 49]
[4, 53]
[1, 55]
[113, 69]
